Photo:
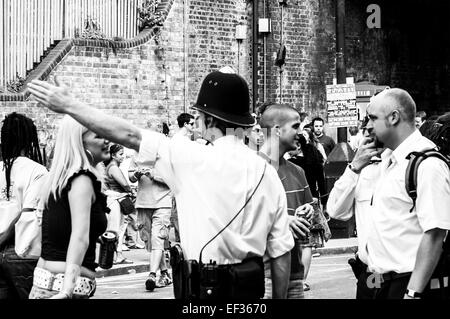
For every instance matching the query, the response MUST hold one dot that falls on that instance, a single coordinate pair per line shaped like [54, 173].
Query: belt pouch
[176, 259]
[358, 267]
[247, 279]
[191, 279]
[126, 205]
[185, 274]
[214, 282]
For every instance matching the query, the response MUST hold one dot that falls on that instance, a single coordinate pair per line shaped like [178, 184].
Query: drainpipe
[186, 53]
[63, 35]
[264, 59]
[281, 43]
[255, 55]
[340, 57]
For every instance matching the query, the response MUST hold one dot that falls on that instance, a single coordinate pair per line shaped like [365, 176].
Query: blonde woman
[73, 217]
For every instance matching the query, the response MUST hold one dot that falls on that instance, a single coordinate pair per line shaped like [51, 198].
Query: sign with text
[341, 105]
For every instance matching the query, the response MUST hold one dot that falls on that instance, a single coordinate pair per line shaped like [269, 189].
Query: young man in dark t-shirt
[283, 126]
[327, 142]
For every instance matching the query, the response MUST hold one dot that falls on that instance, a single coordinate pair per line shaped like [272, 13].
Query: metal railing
[29, 27]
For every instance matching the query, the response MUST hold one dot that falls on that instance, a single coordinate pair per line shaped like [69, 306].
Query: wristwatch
[413, 294]
[137, 174]
[352, 168]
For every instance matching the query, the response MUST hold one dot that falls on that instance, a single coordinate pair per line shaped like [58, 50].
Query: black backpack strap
[411, 176]
[415, 158]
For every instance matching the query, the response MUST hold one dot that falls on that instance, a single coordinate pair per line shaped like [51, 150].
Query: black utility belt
[359, 267]
[392, 275]
[216, 275]
[193, 280]
[243, 280]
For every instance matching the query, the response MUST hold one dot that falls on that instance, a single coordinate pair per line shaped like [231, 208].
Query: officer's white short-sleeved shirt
[211, 184]
[395, 233]
[351, 195]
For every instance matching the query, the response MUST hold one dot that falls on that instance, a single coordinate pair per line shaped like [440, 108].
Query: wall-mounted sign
[341, 105]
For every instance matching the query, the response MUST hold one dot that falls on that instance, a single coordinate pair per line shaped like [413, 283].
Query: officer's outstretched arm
[281, 270]
[58, 99]
[110, 127]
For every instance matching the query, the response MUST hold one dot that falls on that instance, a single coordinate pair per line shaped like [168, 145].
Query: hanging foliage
[148, 16]
[16, 85]
[92, 30]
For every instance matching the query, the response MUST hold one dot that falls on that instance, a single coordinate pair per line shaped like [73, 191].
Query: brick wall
[212, 42]
[366, 51]
[146, 89]
[308, 34]
[138, 85]
[309, 37]
[135, 84]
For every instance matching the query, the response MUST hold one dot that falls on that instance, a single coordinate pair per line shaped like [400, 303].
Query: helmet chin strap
[211, 131]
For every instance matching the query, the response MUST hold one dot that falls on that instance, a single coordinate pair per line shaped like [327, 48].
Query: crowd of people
[244, 193]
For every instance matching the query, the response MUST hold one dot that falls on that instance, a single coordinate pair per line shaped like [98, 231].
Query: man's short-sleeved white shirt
[351, 195]
[211, 184]
[396, 234]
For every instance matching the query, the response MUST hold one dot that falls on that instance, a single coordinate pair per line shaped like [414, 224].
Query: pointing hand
[55, 97]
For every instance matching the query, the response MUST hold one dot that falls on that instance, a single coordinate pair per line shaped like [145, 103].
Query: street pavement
[131, 286]
[330, 276]
[140, 257]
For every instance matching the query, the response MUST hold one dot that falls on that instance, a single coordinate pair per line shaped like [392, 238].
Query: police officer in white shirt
[403, 247]
[210, 183]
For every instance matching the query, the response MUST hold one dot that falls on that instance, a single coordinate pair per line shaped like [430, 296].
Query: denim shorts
[16, 274]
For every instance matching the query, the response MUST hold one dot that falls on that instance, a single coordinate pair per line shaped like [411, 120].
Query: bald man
[282, 123]
[404, 242]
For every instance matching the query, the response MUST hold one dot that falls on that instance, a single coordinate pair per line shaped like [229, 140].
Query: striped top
[297, 193]
[294, 182]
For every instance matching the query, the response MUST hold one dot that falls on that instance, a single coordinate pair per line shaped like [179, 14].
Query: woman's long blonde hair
[69, 157]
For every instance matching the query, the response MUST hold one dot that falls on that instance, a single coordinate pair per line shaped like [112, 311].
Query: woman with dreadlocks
[73, 215]
[20, 183]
